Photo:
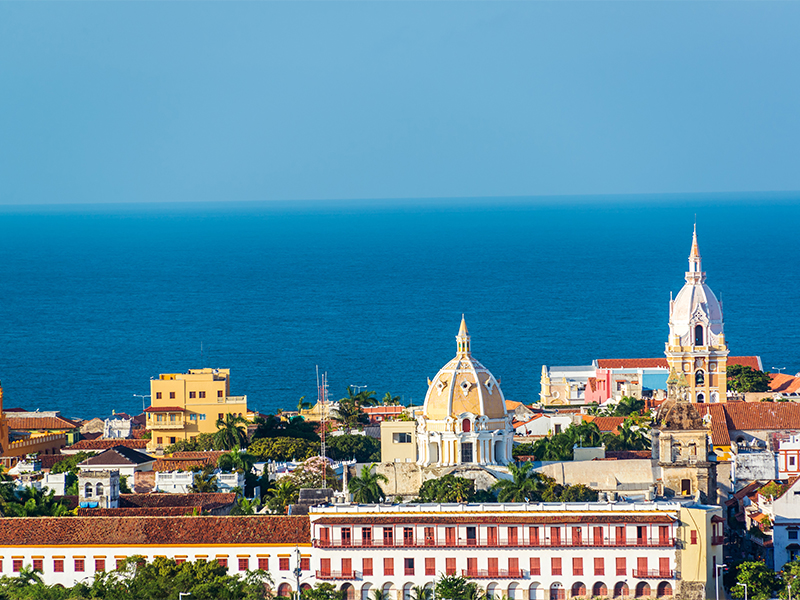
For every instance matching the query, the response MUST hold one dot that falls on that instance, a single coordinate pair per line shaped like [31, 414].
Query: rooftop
[118, 455]
[87, 445]
[508, 507]
[255, 530]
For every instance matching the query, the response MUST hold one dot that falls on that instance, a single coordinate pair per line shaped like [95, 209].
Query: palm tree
[379, 594]
[420, 592]
[246, 507]
[204, 482]
[628, 405]
[389, 400]
[283, 494]
[366, 487]
[585, 434]
[526, 486]
[230, 435]
[236, 461]
[303, 404]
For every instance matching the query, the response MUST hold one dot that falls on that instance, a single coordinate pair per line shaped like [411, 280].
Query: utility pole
[142, 396]
[718, 574]
[297, 571]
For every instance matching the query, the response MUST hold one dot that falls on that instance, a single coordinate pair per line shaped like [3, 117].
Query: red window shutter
[599, 566]
[99, 564]
[641, 565]
[366, 566]
[347, 565]
[555, 536]
[620, 536]
[663, 567]
[494, 568]
[622, 568]
[388, 566]
[263, 563]
[555, 566]
[244, 564]
[305, 563]
[430, 566]
[694, 536]
[79, 565]
[513, 566]
[472, 566]
[536, 568]
[577, 566]
[450, 566]
[597, 534]
[491, 535]
[58, 565]
[325, 566]
[283, 563]
[512, 536]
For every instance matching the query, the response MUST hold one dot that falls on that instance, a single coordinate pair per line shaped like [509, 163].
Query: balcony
[338, 575]
[485, 543]
[166, 425]
[493, 574]
[232, 400]
[654, 574]
[716, 540]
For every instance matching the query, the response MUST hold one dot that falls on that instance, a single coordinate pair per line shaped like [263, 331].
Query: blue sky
[242, 101]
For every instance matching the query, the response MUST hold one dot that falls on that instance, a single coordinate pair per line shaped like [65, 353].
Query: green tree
[231, 432]
[235, 460]
[742, 378]
[448, 488]
[203, 442]
[246, 506]
[30, 502]
[761, 581]
[309, 474]
[303, 404]
[525, 484]
[628, 405]
[790, 579]
[324, 591]
[283, 449]
[69, 464]
[204, 481]
[281, 495]
[453, 587]
[420, 592]
[389, 400]
[272, 426]
[366, 488]
[362, 448]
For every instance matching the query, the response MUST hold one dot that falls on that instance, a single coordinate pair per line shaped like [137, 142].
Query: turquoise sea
[96, 300]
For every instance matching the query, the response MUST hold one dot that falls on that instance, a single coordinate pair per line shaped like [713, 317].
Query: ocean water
[96, 300]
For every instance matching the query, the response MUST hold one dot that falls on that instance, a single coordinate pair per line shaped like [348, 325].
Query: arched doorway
[642, 590]
[492, 590]
[557, 592]
[599, 589]
[349, 591]
[407, 591]
[304, 588]
[285, 590]
[499, 455]
[664, 590]
[389, 591]
[534, 592]
[366, 591]
[514, 591]
[621, 590]
[578, 589]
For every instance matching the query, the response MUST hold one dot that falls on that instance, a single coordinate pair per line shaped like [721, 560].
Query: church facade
[697, 354]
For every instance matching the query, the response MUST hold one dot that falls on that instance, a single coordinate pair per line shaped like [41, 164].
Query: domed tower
[464, 420]
[696, 347]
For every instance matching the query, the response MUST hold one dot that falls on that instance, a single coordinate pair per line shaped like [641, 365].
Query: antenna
[322, 401]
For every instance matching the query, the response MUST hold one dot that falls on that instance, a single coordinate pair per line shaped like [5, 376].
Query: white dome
[695, 303]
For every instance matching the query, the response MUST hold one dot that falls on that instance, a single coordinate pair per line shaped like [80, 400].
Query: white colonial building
[464, 419]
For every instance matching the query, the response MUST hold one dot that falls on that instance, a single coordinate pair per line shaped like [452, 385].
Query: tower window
[698, 335]
[699, 378]
[466, 426]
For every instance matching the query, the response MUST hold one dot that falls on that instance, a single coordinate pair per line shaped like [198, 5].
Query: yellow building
[184, 405]
[696, 350]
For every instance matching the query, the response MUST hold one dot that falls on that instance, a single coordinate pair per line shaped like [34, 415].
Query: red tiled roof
[163, 409]
[608, 424]
[719, 423]
[652, 363]
[781, 382]
[744, 416]
[383, 410]
[169, 511]
[106, 444]
[37, 423]
[172, 500]
[628, 454]
[165, 465]
[48, 460]
[255, 530]
[593, 383]
[212, 455]
[484, 518]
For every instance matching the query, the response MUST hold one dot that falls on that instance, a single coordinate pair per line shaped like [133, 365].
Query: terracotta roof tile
[163, 409]
[172, 500]
[106, 444]
[745, 416]
[166, 465]
[661, 362]
[210, 454]
[37, 423]
[383, 410]
[719, 423]
[118, 455]
[255, 530]
[608, 424]
[629, 454]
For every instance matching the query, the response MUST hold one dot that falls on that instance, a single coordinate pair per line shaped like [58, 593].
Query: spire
[695, 273]
[462, 339]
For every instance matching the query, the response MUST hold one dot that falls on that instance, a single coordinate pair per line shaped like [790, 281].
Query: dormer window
[698, 335]
[466, 426]
[490, 385]
[440, 385]
[465, 385]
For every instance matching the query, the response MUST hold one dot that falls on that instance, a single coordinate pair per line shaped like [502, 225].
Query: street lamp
[358, 388]
[717, 574]
[297, 571]
[779, 369]
[143, 396]
[744, 585]
[182, 594]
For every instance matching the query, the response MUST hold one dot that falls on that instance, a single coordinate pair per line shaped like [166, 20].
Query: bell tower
[696, 350]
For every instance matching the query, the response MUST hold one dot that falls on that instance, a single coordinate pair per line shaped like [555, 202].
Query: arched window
[578, 589]
[621, 589]
[88, 490]
[700, 377]
[642, 590]
[698, 335]
[466, 426]
[701, 398]
[99, 489]
[599, 589]
[664, 589]
[284, 590]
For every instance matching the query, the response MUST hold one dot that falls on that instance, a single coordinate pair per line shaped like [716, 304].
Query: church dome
[464, 385]
[695, 304]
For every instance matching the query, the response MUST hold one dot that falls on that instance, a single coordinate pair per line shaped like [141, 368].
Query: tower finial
[462, 339]
[695, 265]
